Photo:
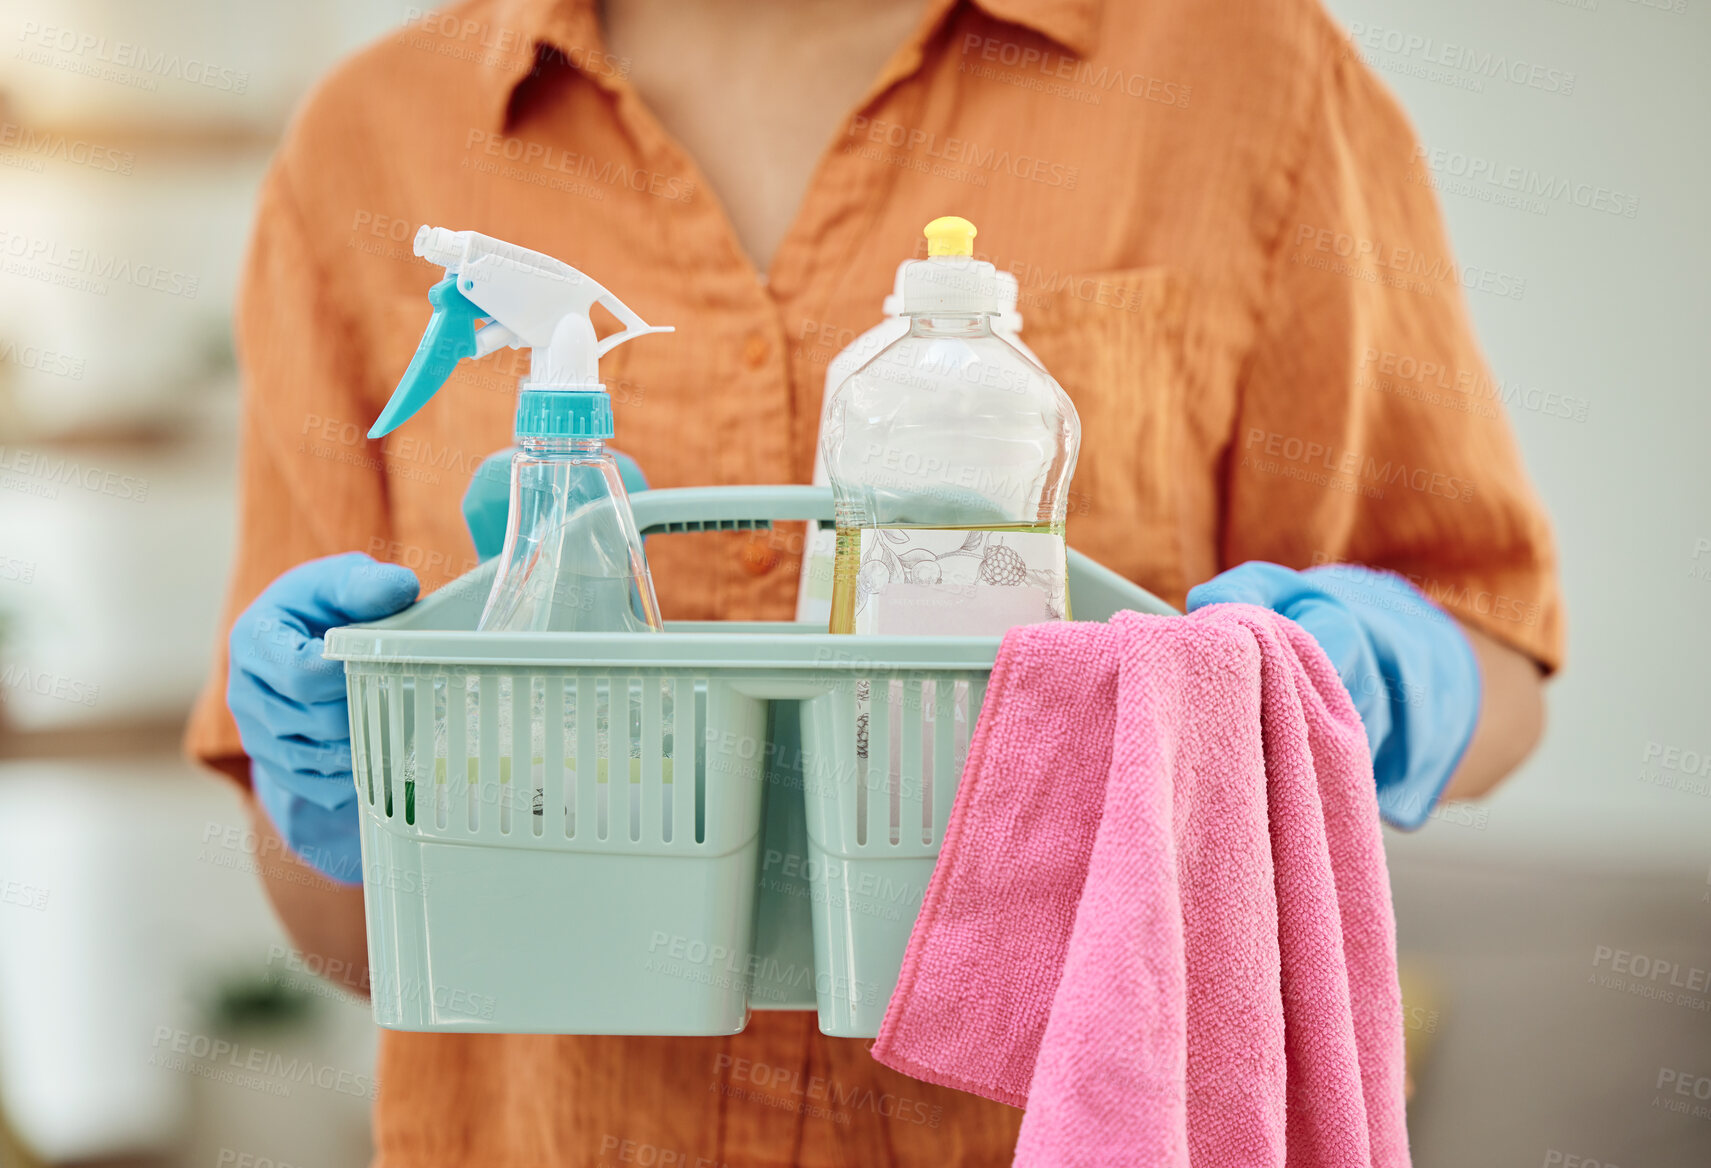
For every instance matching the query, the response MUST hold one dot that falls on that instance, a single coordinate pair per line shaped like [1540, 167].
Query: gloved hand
[289, 702]
[1405, 662]
[487, 501]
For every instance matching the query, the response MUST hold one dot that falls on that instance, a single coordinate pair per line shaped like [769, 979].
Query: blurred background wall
[141, 972]
[1568, 141]
[1551, 921]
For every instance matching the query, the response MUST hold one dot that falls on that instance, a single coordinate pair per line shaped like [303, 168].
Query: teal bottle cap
[560, 413]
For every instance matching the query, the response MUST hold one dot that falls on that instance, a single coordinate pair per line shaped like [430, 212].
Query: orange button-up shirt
[1227, 255]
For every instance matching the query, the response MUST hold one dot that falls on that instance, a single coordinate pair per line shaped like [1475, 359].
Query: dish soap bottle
[814, 586]
[950, 455]
[572, 559]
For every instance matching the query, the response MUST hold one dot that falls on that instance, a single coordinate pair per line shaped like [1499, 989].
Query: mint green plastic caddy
[653, 833]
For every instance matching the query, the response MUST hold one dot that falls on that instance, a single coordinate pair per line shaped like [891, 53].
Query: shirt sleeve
[309, 482]
[1368, 427]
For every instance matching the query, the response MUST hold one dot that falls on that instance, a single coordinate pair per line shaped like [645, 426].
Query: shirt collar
[573, 28]
[570, 26]
[1074, 24]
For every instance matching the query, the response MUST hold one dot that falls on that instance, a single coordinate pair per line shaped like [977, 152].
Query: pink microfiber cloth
[1161, 918]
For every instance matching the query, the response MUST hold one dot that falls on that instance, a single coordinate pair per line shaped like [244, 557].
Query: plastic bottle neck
[562, 445]
[950, 324]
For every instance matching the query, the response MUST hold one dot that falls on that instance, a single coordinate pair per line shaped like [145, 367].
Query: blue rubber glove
[1405, 662]
[289, 702]
[487, 502]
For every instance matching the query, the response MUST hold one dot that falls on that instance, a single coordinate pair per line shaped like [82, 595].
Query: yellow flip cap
[949, 235]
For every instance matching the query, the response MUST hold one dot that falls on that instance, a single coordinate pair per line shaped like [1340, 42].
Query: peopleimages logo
[16, 679]
[643, 1154]
[544, 161]
[1443, 593]
[53, 146]
[1526, 181]
[88, 269]
[793, 1082]
[1645, 976]
[1469, 389]
[43, 474]
[1352, 464]
[1480, 64]
[464, 39]
[718, 965]
[48, 361]
[1061, 75]
[252, 1066]
[232, 1158]
[98, 56]
[1379, 261]
[24, 895]
[1556, 1158]
[1687, 762]
[930, 147]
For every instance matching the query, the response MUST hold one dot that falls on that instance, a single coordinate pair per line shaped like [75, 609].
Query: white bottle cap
[893, 305]
[1009, 295]
[950, 284]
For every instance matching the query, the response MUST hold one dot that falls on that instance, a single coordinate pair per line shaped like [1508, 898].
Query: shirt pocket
[1115, 342]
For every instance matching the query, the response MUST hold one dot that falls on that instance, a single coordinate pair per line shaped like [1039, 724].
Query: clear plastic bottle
[814, 587]
[572, 560]
[950, 455]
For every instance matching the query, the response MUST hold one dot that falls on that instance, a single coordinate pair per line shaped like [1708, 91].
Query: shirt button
[759, 556]
[755, 351]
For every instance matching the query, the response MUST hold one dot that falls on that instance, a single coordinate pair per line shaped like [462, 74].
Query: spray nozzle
[529, 301]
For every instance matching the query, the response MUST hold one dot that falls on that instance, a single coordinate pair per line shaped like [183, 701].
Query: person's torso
[1132, 188]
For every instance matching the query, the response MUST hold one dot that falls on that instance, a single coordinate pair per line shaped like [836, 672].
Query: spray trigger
[634, 326]
[451, 337]
[497, 294]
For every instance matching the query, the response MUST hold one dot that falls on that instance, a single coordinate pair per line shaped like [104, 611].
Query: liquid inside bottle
[572, 560]
[993, 563]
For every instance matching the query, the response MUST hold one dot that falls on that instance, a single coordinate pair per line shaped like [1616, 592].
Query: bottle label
[959, 582]
[814, 591]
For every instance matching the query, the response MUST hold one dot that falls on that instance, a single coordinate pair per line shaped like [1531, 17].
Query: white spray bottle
[572, 560]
